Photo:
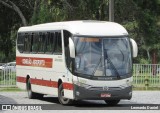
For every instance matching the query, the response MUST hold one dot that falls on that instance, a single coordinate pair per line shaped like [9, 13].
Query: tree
[147, 20]
[14, 7]
[140, 17]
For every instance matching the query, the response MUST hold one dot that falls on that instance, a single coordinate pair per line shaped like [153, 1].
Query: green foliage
[2, 57]
[43, 14]
[140, 17]
[144, 61]
[10, 89]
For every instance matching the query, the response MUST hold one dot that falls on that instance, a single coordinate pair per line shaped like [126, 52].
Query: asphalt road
[139, 98]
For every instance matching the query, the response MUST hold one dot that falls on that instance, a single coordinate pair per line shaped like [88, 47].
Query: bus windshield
[102, 56]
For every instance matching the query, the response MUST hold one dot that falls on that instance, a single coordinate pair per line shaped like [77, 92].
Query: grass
[7, 82]
[146, 89]
[8, 79]
[141, 80]
[10, 89]
[146, 78]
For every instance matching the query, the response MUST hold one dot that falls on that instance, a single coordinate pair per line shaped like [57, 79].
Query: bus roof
[86, 27]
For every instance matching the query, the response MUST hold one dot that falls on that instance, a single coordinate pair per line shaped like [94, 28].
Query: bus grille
[103, 89]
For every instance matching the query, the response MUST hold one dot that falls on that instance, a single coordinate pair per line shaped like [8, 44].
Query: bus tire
[31, 95]
[62, 100]
[112, 102]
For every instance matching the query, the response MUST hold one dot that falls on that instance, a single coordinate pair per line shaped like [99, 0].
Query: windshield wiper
[118, 76]
[97, 65]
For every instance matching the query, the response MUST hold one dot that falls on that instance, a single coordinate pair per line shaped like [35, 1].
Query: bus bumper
[81, 93]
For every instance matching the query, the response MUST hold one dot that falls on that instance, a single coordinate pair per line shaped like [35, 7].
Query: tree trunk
[13, 6]
[154, 61]
[154, 56]
[147, 50]
[20, 14]
[149, 58]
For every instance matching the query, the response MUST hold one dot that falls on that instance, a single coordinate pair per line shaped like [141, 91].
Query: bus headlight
[86, 86]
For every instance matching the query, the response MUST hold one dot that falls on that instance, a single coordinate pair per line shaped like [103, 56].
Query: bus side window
[53, 41]
[20, 42]
[58, 48]
[35, 42]
[50, 42]
[41, 43]
[27, 43]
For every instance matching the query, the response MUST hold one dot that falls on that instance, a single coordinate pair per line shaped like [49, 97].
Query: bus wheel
[61, 98]
[112, 102]
[31, 94]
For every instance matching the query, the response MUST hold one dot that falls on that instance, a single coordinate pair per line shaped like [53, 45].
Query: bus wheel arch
[27, 82]
[59, 82]
[27, 78]
[31, 94]
[62, 100]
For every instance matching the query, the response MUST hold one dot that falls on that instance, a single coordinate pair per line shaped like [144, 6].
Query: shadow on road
[86, 105]
[53, 100]
[78, 105]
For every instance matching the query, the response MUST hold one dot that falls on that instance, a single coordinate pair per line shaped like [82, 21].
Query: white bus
[76, 60]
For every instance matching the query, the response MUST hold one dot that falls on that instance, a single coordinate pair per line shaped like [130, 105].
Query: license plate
[105, 95]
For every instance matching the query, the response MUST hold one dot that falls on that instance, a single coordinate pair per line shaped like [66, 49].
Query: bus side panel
[20, 78]
[68, 94]
[67, 80]
[45, 90]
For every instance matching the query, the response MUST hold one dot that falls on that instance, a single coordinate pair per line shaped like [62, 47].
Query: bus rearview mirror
[71, 48]
[134, 48]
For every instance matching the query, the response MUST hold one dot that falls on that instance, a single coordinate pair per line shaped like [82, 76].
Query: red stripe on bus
[34, 62]
[21, 79]
[47, 83]
[44, 83]
[68, 86]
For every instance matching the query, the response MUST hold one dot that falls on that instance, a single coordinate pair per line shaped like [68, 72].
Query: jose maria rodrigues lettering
[33, 62]
[36, 62]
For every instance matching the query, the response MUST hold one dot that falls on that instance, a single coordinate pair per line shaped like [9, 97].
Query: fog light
[77, 93]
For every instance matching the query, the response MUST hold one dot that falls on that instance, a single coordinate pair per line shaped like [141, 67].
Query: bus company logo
[35, 62]
[105, 88]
